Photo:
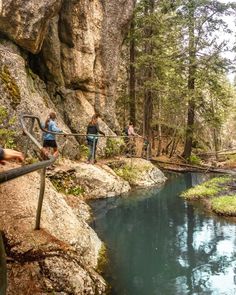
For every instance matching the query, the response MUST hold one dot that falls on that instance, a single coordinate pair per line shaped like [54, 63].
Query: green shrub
[127, 172]
[67, 185]
[114, 147]
[75, 190]
[83, 151]
[194, 160]
[7, 132]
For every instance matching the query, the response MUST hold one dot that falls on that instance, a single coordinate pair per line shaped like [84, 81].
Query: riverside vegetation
[218, 194]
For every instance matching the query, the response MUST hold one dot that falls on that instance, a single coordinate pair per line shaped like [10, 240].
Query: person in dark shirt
[8, 154]
[92, 137]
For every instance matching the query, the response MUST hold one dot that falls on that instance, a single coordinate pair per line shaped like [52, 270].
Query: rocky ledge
[62, 257]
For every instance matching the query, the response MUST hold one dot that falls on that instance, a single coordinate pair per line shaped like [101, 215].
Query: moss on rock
[10, 86]
[102, 259]
[67, 185]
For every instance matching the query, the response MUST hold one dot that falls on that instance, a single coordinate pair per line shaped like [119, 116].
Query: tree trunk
[148, 93]
[159, 128]
[132, 78]
[191, 84]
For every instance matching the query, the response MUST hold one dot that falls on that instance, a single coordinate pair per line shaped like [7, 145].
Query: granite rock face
[26, 22]
[70, 51]
[81, 51]
[62, 256]
[96, 181]
[24, 92]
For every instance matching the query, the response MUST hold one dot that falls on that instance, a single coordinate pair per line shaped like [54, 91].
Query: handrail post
[3, 268]
[40, 200]
[93, 150]
[31, 132]
[148, 150]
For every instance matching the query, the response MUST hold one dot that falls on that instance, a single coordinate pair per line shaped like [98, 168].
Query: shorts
[50, 143]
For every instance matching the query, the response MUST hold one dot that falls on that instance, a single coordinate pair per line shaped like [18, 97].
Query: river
[158, 244]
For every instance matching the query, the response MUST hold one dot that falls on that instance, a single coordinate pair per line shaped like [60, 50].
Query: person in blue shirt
[49, 140]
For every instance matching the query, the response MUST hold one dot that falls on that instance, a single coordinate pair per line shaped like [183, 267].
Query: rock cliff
[62, 55]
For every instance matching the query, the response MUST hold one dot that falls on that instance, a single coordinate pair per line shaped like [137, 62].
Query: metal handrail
[35, 118]
[20, 171]
[25, 116]
[3, 268]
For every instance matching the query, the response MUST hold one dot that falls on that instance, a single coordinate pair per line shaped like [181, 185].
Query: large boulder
[95, 181]
[138, 172]
[26, 22]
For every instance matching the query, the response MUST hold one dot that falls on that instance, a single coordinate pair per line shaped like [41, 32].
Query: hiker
[130, 130]
[49, 140]
[130, 140]
[92, 137]
[9, 154]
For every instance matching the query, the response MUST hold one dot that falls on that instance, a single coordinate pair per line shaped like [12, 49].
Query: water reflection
[159, 244]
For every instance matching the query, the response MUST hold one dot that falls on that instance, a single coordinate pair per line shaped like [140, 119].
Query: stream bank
[62, 257]
[160, 244]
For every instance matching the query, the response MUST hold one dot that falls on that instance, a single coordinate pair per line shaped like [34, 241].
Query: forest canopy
[174, 83]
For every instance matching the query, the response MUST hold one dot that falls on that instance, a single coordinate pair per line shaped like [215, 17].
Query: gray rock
[62, 256]
[26, 22]
[143, 172]
[97, 181]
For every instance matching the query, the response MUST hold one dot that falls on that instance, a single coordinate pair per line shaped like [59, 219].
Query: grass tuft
[225, 205]
[209, 188]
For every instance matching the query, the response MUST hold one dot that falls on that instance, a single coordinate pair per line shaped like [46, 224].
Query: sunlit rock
[26, 22]
[61, 256]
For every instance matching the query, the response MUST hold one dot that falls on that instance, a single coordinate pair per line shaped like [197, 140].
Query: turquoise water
[159, 244]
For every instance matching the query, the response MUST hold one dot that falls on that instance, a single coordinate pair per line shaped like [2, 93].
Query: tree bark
[132, 76]
[159, 128]
[148, 93]
[191, 84]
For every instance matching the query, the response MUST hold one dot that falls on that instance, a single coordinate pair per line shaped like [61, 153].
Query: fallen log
[191, 168]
